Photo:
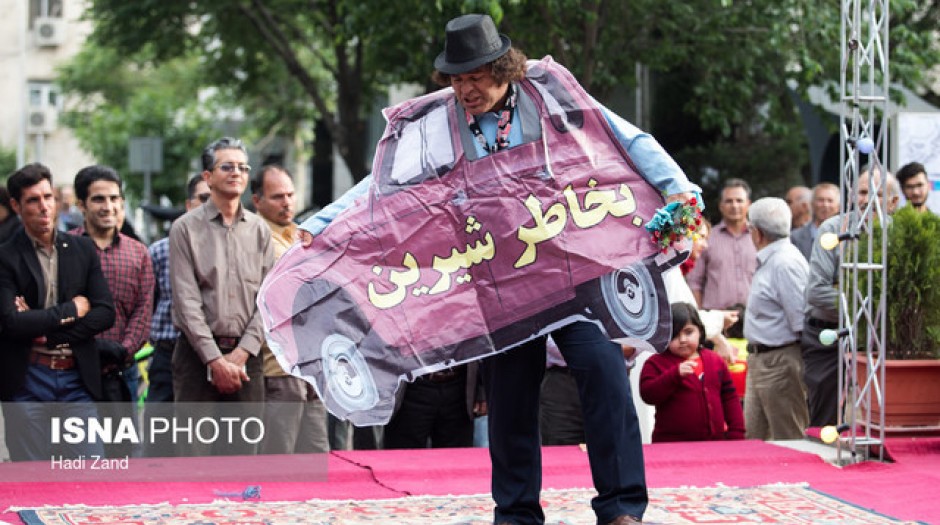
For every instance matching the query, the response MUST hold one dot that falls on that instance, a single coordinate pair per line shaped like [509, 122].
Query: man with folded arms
[53, 301]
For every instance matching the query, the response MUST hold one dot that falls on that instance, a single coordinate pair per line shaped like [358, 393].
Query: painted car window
[424, 141]
[562, 109]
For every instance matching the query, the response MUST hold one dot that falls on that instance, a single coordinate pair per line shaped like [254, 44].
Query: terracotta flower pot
[911, 393]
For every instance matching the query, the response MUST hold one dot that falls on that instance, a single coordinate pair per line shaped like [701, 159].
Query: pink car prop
[447, 260]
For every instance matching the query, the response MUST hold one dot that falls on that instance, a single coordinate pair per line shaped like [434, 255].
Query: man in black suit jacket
[47, 350]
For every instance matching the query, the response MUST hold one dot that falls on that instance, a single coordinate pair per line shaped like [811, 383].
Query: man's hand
[479, 408]
[306, 238]
[238, 357]
[20, 303]
[227, 377]
[730, 317]
[724, 349]
[680, 197]
[628, 351]
[686, 197]
[82, 306]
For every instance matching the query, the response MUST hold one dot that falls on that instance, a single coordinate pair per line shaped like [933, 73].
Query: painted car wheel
[630, 297]
[349, 381]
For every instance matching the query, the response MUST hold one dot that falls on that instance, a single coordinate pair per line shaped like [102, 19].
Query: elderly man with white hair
[821, 361]
[775, 402]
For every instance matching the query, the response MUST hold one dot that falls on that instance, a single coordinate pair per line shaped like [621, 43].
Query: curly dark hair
[507, 68]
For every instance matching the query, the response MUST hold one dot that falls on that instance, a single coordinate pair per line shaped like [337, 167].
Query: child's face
[685, 343]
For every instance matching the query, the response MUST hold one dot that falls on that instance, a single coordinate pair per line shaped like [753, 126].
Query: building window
[44, 95]
[44, 9]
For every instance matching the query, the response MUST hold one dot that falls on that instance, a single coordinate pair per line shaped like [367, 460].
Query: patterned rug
[779, 504]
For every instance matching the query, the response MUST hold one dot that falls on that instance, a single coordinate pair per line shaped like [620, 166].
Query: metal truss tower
[863, 274]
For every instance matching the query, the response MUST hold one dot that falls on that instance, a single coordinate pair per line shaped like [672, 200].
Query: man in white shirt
[775, 402]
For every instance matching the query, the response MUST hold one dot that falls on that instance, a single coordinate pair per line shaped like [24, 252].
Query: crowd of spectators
[760, 266]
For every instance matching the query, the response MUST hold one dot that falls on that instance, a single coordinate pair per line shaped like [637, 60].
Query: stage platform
[903, 489]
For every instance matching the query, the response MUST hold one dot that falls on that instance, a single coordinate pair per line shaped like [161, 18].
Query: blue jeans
[513, 380]
[160, 373]
[132, 379]
[47, 393]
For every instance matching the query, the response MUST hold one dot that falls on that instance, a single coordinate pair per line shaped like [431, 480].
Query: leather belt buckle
[54, 362]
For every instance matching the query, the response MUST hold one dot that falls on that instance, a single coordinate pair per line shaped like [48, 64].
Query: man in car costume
[503, 209]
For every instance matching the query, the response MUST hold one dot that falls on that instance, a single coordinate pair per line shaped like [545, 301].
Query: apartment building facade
[35, 37]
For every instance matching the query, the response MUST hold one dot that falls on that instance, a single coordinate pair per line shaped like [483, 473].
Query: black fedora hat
[470, 42]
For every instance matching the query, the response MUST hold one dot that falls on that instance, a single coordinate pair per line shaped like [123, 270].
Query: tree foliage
[323, 59]
[727, 73]
[114, 99]
[7, 162]
[732, 66]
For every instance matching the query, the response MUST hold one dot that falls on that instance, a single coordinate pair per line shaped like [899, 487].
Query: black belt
[441, 376]
[824, 325]
[757, 348]
[227, 343]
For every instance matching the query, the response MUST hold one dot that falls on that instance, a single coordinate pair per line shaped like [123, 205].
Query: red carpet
[905, 489]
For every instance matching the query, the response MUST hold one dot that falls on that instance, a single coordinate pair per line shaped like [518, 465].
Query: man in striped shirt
[722, 275]
[162, 332]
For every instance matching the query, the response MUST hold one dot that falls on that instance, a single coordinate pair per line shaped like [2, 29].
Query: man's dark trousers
[513, 380]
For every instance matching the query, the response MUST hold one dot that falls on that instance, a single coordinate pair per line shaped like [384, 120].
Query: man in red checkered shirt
[125, 262]
[127, 267]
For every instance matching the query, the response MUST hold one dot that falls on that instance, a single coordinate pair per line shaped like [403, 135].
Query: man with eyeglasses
[503, 107]
[219, 253]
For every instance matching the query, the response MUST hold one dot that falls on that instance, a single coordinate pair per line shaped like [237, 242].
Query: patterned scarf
[504, 124]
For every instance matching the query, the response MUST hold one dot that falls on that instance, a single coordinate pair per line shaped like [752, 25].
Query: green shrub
[913, 294]
[7, 162]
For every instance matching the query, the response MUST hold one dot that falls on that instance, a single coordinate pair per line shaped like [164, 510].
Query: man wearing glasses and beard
[219, 253]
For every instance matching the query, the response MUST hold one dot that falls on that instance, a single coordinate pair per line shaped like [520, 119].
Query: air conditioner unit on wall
[49, 31]
[41, 120]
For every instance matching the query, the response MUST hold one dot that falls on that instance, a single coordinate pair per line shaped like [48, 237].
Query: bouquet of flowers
[674, 222]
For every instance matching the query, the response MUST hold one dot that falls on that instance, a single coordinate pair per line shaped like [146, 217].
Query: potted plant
[912, 339]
